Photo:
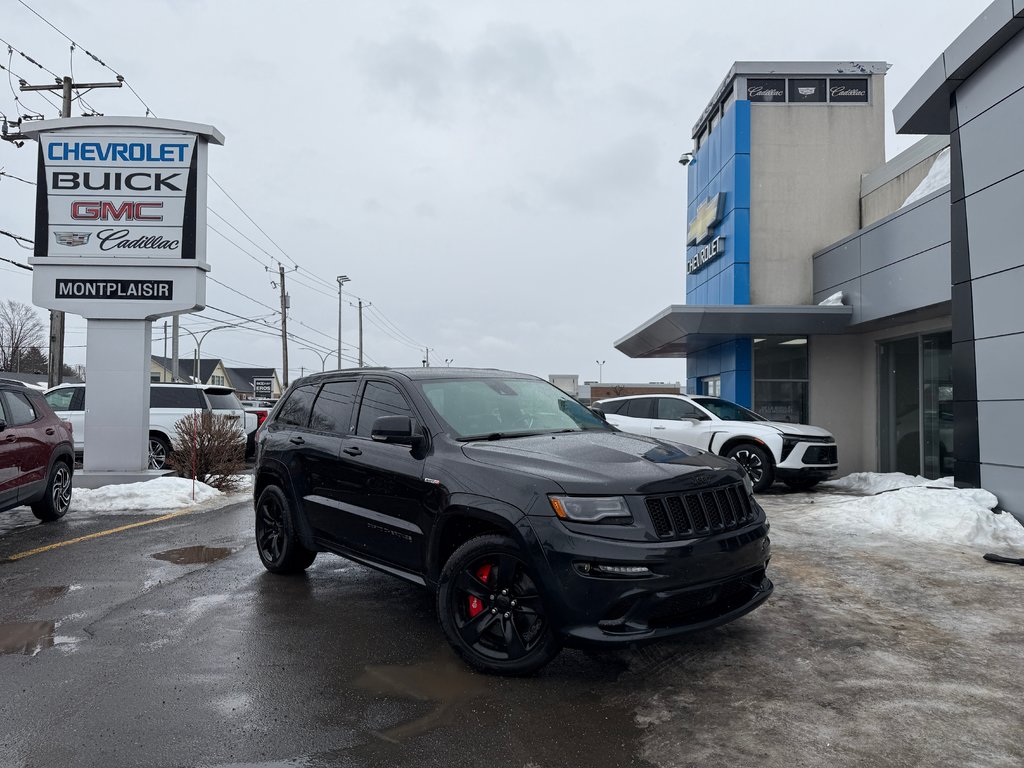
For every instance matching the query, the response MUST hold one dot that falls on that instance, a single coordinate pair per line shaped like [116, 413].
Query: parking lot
[166, 644]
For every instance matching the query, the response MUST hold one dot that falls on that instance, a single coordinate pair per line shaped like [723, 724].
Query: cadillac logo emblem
[805, 91]
[72, 238]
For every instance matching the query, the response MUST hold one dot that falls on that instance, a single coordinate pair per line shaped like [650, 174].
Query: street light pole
[322, 355]
[600, 369]
[342, 279]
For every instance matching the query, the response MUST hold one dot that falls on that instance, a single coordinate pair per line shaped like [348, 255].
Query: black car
[536, 523]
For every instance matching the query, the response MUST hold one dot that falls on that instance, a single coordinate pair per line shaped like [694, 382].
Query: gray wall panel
[837, 266]
[1006, 483]
[914, 231]
[991, 143]
[1000, 425]
[997, 362]
[997, 305]
[995, 217]
[996, 79]
[919, 281]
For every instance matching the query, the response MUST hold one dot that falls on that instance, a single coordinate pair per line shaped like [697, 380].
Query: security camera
[686, 158]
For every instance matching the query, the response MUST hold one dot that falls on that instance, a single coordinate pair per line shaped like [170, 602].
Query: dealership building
[878, 299]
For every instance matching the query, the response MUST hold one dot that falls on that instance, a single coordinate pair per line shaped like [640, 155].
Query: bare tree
[20, 329]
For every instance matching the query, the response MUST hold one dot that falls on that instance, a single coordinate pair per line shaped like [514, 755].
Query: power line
[244, 296]
[25, 267]
[91, 55]
[264, 233]
[29, 58]
[18, 239]
[16, 178]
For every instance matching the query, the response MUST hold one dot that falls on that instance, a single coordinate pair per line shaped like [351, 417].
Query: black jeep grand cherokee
[536, 523]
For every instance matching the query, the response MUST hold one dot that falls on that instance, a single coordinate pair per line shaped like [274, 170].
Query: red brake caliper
[476, 605]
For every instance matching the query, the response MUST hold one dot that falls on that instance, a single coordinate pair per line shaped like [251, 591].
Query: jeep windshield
[499, 407]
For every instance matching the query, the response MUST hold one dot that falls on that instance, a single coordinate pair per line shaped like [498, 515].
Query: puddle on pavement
[49, 594]
[193, 555]
[442, 680]
[28, 637]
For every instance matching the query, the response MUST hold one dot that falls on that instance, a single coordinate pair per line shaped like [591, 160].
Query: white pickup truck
[168, 403]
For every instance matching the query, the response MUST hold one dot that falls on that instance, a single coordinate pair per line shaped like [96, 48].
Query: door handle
[352, 451]
[51, 431]
[11, 438]
[657, 427]
[297, 440]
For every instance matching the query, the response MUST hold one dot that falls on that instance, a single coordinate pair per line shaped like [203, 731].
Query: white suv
[799, 455]
[167, 404]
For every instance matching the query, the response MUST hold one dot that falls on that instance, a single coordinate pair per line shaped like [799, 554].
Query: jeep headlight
[591, 509]
[748, 484]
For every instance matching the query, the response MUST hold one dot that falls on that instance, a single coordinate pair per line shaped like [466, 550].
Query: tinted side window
[60, 399]
[641, 408]
[295, 411]
[19, 408]
[669, 408]
[226, 402]
[332, 411]
[380, 399]
[613, 407]
[78, 401]
[176, 397]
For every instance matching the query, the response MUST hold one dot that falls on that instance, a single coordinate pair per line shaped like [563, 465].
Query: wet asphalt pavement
[168, 645]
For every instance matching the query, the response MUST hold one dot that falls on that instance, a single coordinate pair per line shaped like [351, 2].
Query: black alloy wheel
[277, 542]
[55, 504]
[159, 451]
[492, 611]
[757, 464]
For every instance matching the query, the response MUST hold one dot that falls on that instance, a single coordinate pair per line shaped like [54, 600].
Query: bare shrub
[211, 447]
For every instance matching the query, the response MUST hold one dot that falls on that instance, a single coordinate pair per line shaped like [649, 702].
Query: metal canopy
[679, 330]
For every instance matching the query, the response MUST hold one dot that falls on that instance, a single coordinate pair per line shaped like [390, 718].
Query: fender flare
[282, 479]
[498, 513]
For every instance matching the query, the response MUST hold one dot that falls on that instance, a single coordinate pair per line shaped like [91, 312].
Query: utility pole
[55, 375]
[426, 357]
[342, 279]
[284, 327]
[174, 348]
[360, 333]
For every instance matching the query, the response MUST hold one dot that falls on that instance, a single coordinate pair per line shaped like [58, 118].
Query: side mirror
[401, 430]
[598, 412]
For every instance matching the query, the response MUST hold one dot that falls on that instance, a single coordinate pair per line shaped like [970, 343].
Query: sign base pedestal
[97, 479]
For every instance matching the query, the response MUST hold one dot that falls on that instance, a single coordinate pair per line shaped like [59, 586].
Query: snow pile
[918, 509]
[937, 178]
[155, 496]
[835, 300]
[871, 483]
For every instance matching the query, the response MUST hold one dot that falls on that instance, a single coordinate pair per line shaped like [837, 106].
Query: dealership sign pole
[120, 239]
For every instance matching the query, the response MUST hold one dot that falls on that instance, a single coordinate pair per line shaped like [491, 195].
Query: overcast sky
[499, 180]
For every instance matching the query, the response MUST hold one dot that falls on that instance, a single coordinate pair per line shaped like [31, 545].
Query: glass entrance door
[915, 401]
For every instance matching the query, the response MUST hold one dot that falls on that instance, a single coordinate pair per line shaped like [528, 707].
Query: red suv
[36, 454]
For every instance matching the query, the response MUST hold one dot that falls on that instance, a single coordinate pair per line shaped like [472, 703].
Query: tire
[491, 609]
[54, 505]
[757, 463]
[801, 484]
[277, 541]
[159, 451]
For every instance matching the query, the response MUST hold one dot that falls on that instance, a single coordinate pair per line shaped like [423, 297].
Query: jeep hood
[596, 463]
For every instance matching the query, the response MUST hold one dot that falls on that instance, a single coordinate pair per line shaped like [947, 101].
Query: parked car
[36, 454]
[534, 522]
[168, 403]
[797, 454]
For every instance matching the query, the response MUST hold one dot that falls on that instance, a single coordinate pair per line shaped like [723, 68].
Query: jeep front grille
[700, 513]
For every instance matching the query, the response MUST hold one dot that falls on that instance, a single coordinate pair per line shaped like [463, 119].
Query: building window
[154, 378]
[711, 385]
[780, 378]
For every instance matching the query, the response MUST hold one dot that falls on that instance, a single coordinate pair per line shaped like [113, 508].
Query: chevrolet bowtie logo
[709, 213]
